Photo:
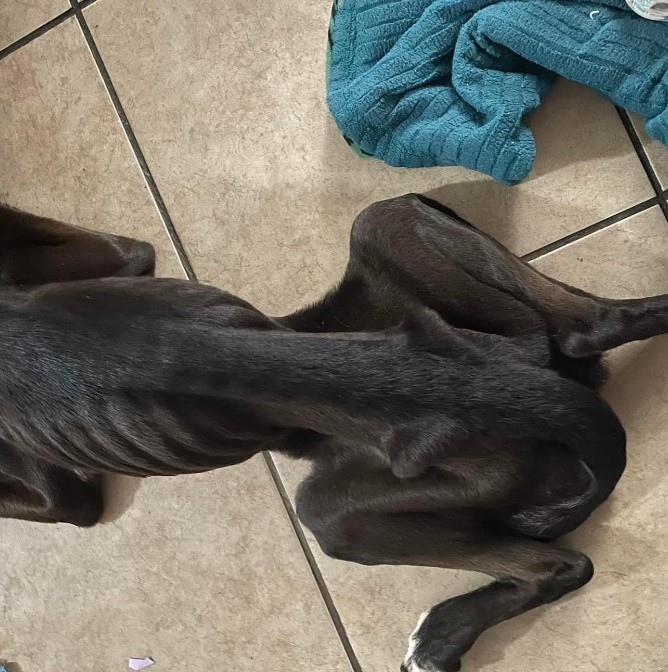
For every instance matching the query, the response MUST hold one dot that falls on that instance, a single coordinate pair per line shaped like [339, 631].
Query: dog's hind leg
[528, 574]
[409, 251]
[392, 276]
[436, 520]
[431, 248]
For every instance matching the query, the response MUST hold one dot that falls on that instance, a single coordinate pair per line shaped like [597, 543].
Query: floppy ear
[35, 250]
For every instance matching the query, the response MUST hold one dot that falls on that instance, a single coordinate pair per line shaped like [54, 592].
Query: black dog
[445, 392]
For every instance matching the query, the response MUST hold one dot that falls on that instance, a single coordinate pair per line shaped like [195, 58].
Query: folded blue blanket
[421, 83]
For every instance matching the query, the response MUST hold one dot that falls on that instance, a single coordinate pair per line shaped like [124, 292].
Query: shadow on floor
[10, 667]
[119, 493]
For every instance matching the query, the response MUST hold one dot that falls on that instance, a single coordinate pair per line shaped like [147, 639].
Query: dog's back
[161, 377]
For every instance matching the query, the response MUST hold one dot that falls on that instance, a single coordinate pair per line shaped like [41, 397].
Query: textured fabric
[420, 83]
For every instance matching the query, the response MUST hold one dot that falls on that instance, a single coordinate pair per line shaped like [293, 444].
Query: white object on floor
[140, 663]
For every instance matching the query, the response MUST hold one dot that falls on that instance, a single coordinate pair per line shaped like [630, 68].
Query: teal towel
[420, 83]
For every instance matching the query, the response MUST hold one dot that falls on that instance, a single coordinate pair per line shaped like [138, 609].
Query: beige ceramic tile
[201, 573]
[619, 621]
[19, 17]
[626, 260]
[64, 153]
[656, 151]
[228, 104]
[196, 570]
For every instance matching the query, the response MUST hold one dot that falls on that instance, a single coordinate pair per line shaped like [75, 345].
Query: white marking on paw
[414, 667]
[413, 641]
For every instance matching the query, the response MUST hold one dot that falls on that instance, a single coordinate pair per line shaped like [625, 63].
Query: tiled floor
[19, 17]
[225, 120]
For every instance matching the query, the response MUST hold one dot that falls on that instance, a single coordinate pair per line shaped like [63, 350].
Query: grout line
[590, 230]
[663, 202]
[44, 28]
[134, 144]
[315, 570]
[644, 158]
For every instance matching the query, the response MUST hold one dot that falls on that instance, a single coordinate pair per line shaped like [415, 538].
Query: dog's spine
[330, 385]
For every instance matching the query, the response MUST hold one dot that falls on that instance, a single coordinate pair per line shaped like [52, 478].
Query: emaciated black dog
[445, 391]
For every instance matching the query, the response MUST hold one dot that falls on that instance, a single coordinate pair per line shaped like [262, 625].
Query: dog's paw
[431, 648]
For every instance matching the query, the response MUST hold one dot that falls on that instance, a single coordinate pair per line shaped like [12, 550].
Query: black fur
[445, 392]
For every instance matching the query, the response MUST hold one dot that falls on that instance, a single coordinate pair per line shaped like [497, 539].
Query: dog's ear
[35, 250]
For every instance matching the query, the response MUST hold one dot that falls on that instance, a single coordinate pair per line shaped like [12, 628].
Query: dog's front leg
[35, 490]
[36, 250]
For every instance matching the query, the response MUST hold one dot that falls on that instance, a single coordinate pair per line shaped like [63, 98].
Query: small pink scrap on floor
[140, 663]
